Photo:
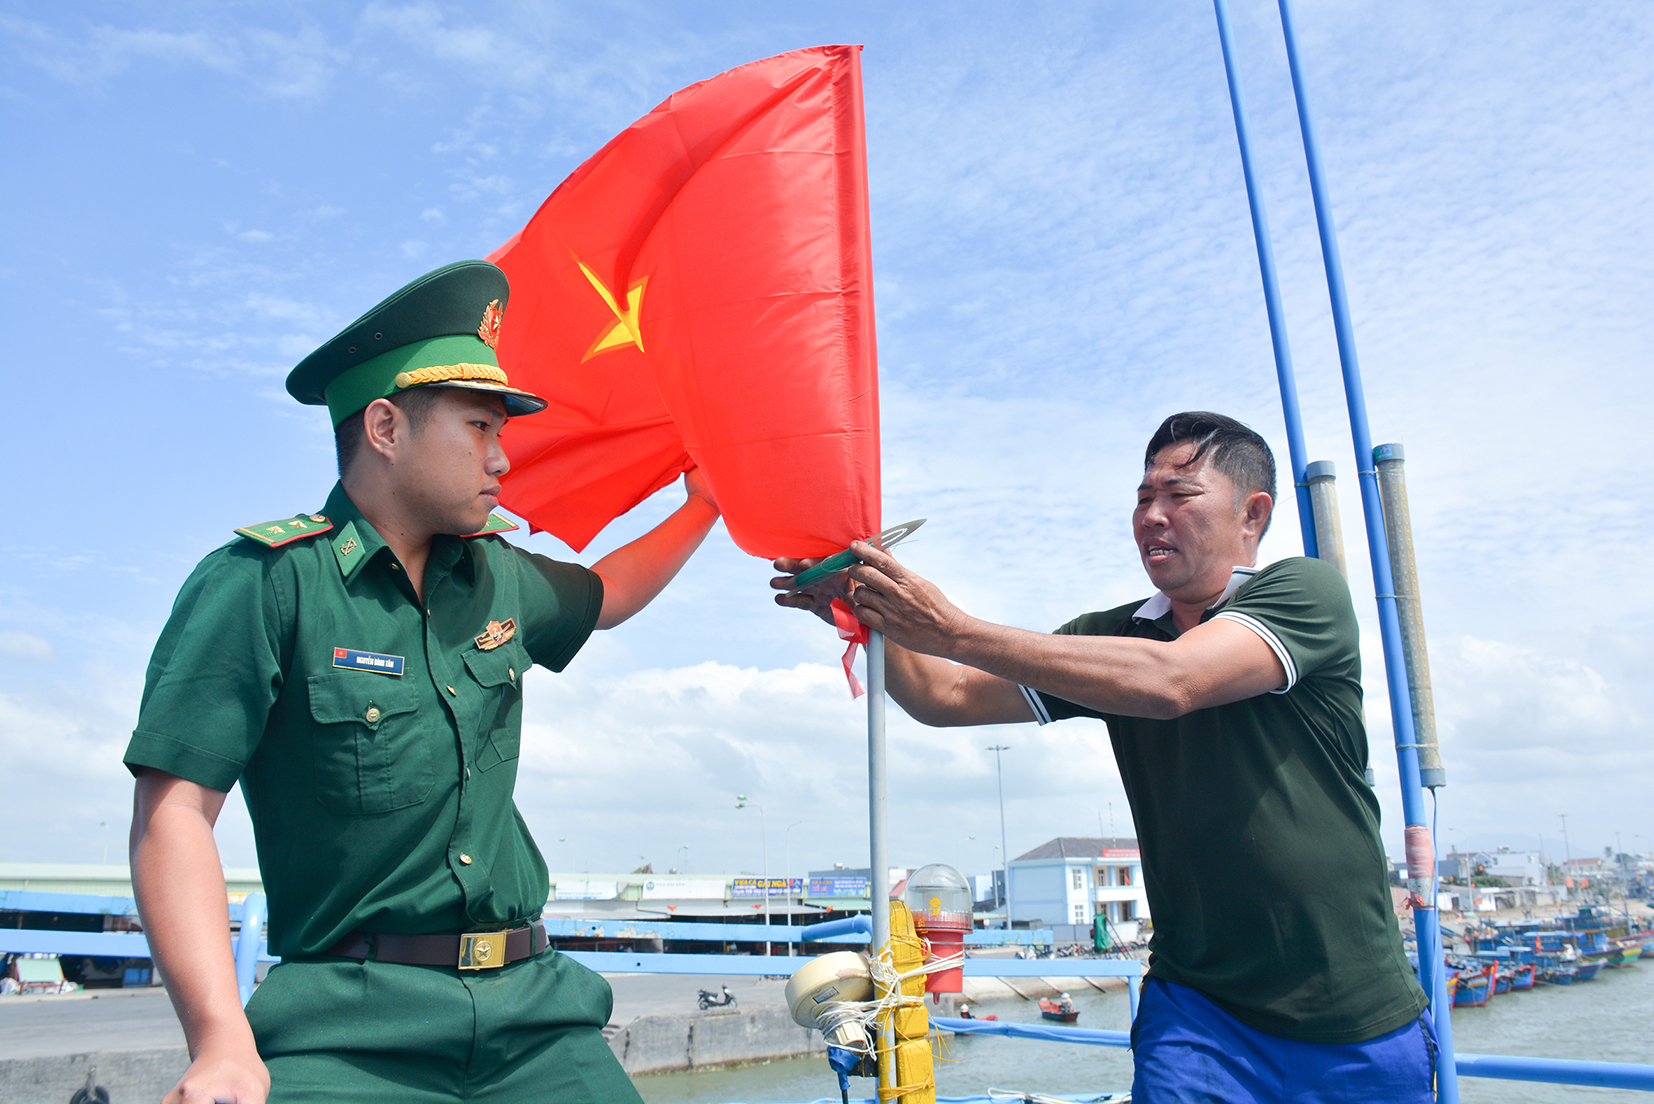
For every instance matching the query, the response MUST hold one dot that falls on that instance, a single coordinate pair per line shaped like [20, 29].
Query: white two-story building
[1066, 883]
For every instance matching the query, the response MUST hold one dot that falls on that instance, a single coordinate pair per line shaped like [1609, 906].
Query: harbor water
[1609, 1019]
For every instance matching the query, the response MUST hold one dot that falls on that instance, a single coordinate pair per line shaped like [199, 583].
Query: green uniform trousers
[340, 1031]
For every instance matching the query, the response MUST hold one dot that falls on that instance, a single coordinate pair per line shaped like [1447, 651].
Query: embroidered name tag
[352, 660]
[497, 633]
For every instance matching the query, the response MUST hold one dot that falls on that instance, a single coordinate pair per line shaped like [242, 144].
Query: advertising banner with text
[838, 887]
[778, 887]
[683, 889]
[586, 891]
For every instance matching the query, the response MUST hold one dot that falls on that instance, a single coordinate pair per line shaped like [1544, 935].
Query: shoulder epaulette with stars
[496, 524]
[274, 534]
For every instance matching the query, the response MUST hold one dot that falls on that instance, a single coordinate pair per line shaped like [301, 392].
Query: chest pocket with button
[368, 751]
[499, 674]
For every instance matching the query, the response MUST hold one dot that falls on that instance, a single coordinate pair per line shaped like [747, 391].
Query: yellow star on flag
[626, 329]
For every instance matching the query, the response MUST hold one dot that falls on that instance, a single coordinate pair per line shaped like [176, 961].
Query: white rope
[831, 1015]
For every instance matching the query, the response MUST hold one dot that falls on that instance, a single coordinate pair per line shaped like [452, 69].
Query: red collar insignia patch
[497, 633]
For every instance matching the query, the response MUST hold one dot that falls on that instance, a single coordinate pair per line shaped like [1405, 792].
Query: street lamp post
[1568, 854]
[788, 875]
[1005, 852]
[764, 841]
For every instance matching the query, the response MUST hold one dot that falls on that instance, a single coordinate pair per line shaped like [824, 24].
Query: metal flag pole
[1420, 849]
[878, 833]
[878, 810]
[1271, 292]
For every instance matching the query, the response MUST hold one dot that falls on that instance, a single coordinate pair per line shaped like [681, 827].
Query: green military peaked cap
[439, 331]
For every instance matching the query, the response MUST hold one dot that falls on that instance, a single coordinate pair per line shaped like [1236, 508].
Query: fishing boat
[1557, 973]
[1626, 953]
[1475, 985]
[1063, 1011]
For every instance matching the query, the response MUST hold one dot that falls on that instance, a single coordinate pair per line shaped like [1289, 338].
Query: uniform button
[468, 774]
[372, 714]
[466, 859]
[395, 566]
[452, 691]
[511, 672]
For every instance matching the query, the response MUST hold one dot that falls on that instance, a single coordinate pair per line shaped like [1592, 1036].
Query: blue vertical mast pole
[1271, 292]
[1426, 922]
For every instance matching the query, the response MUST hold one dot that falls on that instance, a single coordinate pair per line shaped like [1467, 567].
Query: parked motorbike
[709, 999]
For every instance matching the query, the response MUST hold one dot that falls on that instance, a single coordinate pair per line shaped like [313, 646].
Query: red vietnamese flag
[701, 292]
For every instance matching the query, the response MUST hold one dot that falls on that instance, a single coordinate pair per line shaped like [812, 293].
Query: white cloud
[668, 750]
[24, 646]
[286, 66]
[65, 736]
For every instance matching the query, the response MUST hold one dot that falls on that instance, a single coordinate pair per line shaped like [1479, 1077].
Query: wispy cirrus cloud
[295, 65]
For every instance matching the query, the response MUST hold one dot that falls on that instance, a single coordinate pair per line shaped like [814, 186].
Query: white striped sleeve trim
[1037, 704]
[1269, 637]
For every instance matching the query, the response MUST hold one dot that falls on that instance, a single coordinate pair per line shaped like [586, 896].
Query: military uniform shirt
[1266, 881]
[380, 801]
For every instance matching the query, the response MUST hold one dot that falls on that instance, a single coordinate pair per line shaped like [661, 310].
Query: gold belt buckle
[482, 950]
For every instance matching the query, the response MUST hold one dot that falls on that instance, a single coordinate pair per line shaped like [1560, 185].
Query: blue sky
[201, 193]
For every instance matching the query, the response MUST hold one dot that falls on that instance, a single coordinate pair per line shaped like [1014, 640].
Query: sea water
[1609, 1019]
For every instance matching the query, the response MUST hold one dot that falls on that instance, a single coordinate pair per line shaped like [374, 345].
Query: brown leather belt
[467, 951]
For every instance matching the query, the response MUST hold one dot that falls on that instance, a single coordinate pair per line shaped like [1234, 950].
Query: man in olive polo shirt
[1233, 701]
[359, 670]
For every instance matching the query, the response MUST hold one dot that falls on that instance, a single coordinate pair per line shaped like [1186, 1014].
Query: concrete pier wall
[131, 1076]
[722, 1037]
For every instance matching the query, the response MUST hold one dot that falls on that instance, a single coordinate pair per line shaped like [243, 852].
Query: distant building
[1065, 883]
[1519, 868]
[1584, 872]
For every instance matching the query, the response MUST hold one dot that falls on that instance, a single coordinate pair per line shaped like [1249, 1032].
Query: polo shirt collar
[1160, 605]
[348, 522]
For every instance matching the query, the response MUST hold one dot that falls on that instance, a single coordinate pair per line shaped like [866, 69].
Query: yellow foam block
[915, 1074]
[912, 1022]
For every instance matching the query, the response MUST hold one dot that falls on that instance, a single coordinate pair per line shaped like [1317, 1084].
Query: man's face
[1188, 527]
[448, 477]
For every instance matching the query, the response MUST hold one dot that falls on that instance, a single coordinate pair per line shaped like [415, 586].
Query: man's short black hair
[1235, 449]
[349, 434]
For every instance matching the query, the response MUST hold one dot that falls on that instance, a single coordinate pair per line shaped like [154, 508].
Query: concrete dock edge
[129, 1075]
[709, 1040]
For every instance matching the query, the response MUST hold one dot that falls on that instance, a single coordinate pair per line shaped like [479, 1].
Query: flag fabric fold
[700, 292]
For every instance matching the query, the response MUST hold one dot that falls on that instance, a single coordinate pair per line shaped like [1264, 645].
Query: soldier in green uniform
[359, 670]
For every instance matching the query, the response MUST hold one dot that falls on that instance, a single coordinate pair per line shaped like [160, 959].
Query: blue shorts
[1187, 1049]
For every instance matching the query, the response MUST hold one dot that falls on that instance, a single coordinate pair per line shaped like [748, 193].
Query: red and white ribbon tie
[844, 620]
[1421, 864]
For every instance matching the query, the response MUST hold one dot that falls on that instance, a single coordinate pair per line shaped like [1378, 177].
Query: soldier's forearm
[182, 903]
[633, 574]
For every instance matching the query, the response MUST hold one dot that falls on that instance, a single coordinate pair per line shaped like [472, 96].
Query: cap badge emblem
[497, 633]
[489, 331]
